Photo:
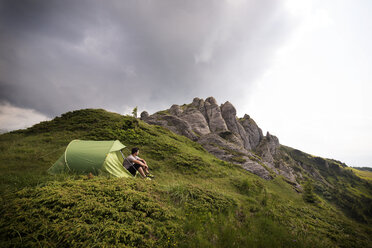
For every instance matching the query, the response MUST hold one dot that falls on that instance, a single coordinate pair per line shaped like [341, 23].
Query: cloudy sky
[300, 68]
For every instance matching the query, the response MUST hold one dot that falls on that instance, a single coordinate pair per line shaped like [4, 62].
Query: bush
[194, 199]
[309, 195]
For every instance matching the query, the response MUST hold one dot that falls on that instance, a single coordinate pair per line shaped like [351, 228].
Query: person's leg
[140, 170]
[136, 167]
[146, 169]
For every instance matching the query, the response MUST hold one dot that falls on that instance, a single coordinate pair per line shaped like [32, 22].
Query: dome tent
[97, 157]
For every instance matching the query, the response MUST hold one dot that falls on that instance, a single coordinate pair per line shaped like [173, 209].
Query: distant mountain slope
[363, 168]
[196, 200]
[363, 172]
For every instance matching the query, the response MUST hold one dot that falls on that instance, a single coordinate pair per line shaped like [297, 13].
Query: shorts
[133, 169]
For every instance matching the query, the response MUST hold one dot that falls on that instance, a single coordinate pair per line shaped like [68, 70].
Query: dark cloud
[57, 56]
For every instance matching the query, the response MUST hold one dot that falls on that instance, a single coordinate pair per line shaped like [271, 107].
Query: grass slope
[334, 181]
[196, 200]
[365, 174]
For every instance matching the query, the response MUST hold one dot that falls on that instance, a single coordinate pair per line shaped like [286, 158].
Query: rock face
[267, 148]
[229, 115]
[213, 115]
[253, 131]
[197, 121]
[173, 123]
[221, 133]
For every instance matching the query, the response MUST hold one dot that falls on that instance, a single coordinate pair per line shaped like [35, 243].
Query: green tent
[97, 157]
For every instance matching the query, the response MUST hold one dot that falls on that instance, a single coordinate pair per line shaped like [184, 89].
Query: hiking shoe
[148, 179]
[150, 175]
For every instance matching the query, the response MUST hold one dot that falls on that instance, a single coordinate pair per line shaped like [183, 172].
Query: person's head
[135, 151]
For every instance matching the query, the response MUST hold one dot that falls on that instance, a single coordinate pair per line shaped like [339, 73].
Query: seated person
[133, 163]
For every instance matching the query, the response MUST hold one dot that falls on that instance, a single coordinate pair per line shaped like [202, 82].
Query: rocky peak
[227, 106]
[221, 133]
[272, 139]
[211, 100]
[253, 131]
[199, 105]
[268, 147]
[214, 116]
[175, 110]
[229, 115]
[197, 102]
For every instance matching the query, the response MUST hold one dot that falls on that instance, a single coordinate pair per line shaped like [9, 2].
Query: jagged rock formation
[220, 132]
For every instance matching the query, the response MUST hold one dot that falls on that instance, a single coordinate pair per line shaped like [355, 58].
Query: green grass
[364, 174]
[196, 200]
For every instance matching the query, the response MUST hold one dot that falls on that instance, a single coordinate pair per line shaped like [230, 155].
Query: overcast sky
[300, 68]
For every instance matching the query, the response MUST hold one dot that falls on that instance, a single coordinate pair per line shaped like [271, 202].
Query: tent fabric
[97, 157]
[59, 166]
[114, 165]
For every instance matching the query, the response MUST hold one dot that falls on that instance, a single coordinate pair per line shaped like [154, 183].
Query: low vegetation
[335, 182]
[196, 200]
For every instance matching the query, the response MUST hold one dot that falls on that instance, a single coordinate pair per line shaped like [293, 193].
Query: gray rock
[180, 126]
[268, 147]
[273, 143]
[257, 169]
[199, 104]
[232, 137]
[272, 167]
[228, 112]
[220, 147]
[215, 121]
[174, 124]
[224, 150]
[144, 115]
[175, 110]
[196, 120]
[287, 172]
[253, 131]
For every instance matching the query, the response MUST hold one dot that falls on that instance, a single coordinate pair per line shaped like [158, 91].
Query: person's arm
[138, 162]
[142, 160]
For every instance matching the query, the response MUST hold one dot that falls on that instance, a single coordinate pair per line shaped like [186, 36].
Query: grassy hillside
[365, 174]
[196, 200]
[340, 185]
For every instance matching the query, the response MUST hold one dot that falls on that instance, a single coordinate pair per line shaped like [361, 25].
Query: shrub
[309, 195]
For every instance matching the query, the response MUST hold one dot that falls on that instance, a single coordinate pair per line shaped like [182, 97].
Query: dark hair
[134, 150]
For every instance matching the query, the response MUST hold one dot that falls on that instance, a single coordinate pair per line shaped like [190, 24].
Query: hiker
[133, 163]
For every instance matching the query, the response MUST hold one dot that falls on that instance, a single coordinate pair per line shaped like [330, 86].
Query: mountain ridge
[222, 133]
[241, 141]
